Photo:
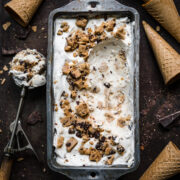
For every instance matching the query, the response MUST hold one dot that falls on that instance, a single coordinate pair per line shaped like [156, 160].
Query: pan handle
[6, 167]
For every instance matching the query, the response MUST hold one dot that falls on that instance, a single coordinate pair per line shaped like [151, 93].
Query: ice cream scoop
[28, 68]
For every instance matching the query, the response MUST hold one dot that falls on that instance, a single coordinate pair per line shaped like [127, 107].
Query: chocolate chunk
[168, 120]
[107, 85]
[34, 118]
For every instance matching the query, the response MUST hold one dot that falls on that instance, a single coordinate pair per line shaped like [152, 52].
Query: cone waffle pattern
[24, 9]
[165, 12]
[166, 165]
[168, 59]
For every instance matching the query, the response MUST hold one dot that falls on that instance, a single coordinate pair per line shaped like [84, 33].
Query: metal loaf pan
[92, 8]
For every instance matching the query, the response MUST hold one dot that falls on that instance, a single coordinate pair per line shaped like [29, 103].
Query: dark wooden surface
[156, 100]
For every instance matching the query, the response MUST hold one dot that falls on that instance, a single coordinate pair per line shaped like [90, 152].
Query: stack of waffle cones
[166, 165]
[22, 10]
[165, 12]
[168, 59]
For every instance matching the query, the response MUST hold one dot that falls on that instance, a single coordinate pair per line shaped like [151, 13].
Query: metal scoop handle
[7, 160]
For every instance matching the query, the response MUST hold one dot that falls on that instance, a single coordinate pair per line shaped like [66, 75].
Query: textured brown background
[156, 100]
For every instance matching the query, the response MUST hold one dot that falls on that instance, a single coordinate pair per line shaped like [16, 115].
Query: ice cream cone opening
[16, 16]
[175, 78]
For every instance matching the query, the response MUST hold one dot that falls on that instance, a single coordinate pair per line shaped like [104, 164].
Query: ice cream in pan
[93, 91]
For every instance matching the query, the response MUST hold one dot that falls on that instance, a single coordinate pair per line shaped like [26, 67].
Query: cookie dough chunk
[66, 69]
[60, 142]
[95, 155]
[110, 25]
[110, 160]
[70, 144]
[82, 109]
[120, 33]
[120, 149]
[82, 22]
[65, 26]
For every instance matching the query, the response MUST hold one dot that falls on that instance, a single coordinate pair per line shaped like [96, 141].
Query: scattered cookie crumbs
[6, 25]
[60, 142]
[20, 159]
[3, 81]
[34, 28]
[70, 144]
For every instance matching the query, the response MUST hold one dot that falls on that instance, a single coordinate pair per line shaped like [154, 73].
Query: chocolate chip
[102, 139]
[107, 85]
[68, 144]
[94, 68]
[71, 131]
[79, 134]
[96, 134]
[103, 75]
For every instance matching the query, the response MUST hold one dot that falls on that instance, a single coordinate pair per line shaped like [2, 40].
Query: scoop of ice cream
[28, 68]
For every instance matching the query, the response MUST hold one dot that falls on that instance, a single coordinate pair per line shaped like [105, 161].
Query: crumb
[6, 25]
[3, 81]
[44, 170]
[5, 68]
[158, 28]
[20, 159]
[64, 26]
[59, 32]
[43, 28]
[0, 130]
[1, 71]
[142, 148]
[34, 28]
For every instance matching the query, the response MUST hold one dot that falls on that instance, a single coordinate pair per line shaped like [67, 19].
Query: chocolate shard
[168, 120]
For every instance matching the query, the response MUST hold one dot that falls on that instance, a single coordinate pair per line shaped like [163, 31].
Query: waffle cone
[165, 12]
[168, 59]
[22, 10]
[166, 165]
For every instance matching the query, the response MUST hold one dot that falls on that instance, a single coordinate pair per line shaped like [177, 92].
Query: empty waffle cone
[168, 59]
[165, 12]
[166, 165]
[22, 10]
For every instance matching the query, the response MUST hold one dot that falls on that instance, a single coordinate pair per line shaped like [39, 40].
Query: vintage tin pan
[91, 8]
